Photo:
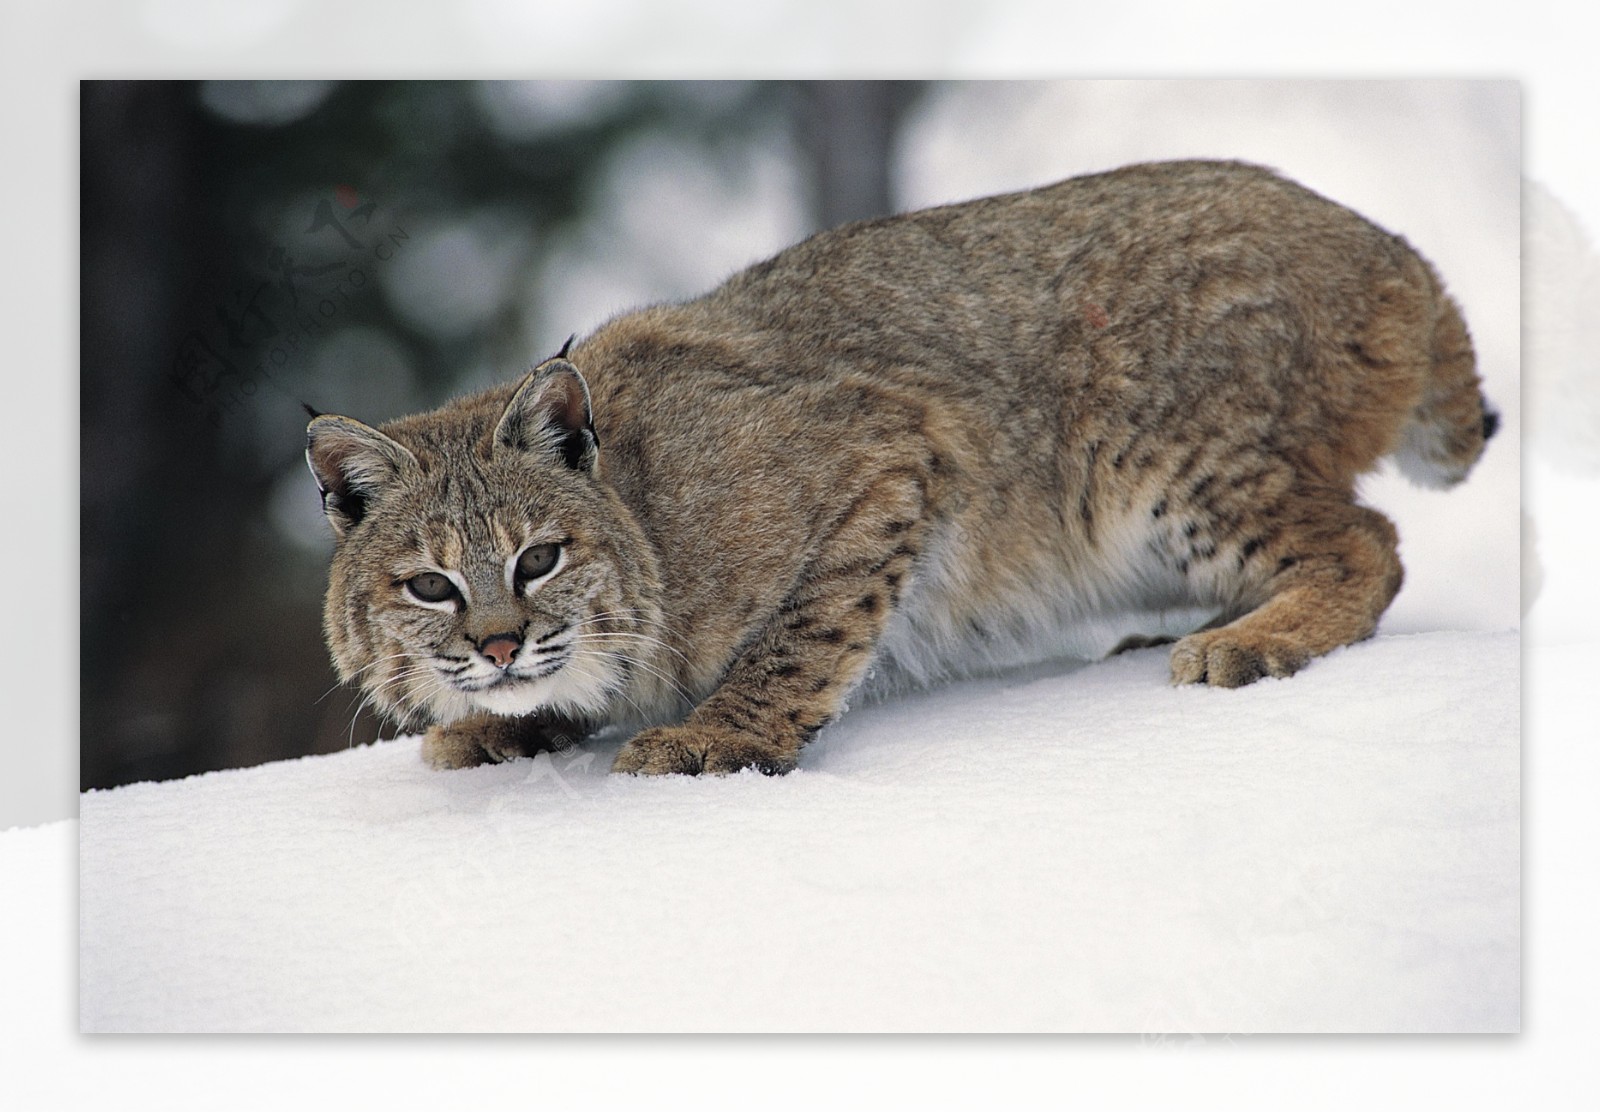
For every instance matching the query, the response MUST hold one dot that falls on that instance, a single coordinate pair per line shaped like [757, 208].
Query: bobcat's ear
[351, 463]
[549, 417]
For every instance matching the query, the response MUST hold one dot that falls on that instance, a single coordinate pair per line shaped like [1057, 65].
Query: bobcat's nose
[500, 648]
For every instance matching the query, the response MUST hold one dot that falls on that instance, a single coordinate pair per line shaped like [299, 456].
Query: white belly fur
[1063, 610]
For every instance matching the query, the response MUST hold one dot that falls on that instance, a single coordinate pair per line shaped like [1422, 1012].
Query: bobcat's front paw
[450, 747]
[482, 739]
[1231, 659]
[697, 749]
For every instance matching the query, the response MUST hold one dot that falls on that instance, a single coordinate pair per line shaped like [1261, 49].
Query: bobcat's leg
[478, 739]
[793, 677]
[1323, 580]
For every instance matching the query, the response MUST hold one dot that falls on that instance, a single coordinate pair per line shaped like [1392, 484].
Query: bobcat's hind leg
[1324, 578]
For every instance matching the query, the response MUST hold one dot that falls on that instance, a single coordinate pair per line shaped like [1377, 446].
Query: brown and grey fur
[922, 444]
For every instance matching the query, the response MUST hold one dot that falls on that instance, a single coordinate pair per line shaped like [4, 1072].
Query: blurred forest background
[370, 248]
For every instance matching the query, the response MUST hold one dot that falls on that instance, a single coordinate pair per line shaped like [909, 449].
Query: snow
[1071, 849]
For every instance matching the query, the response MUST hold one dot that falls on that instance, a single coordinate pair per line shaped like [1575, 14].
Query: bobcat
[920, 444]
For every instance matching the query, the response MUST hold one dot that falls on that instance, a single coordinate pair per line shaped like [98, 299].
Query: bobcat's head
[480, 564]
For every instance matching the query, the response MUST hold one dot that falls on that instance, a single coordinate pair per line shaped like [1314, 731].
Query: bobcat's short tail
[1452, 422]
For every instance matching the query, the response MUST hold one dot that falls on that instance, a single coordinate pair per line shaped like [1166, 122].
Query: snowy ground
[1076, 849]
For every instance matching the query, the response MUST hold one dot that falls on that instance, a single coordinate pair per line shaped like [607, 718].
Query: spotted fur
[917, 445]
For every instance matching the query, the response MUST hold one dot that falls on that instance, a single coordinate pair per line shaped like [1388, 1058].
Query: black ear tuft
[565, 348]
[309, 411]
[549, 417]
[1491, 424]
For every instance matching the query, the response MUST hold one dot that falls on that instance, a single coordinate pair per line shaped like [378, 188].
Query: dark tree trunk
[848, 130]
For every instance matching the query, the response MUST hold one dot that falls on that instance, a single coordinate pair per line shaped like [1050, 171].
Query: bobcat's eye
[536, 561]
[431, 587]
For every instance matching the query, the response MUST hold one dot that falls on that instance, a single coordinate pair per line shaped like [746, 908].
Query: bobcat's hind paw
[1229, 659]
[695, 750]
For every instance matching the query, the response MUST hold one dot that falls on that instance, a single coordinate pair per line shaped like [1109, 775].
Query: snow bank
[1072, 849]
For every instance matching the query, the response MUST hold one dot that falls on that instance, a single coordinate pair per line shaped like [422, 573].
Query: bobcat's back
[1121, 379]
